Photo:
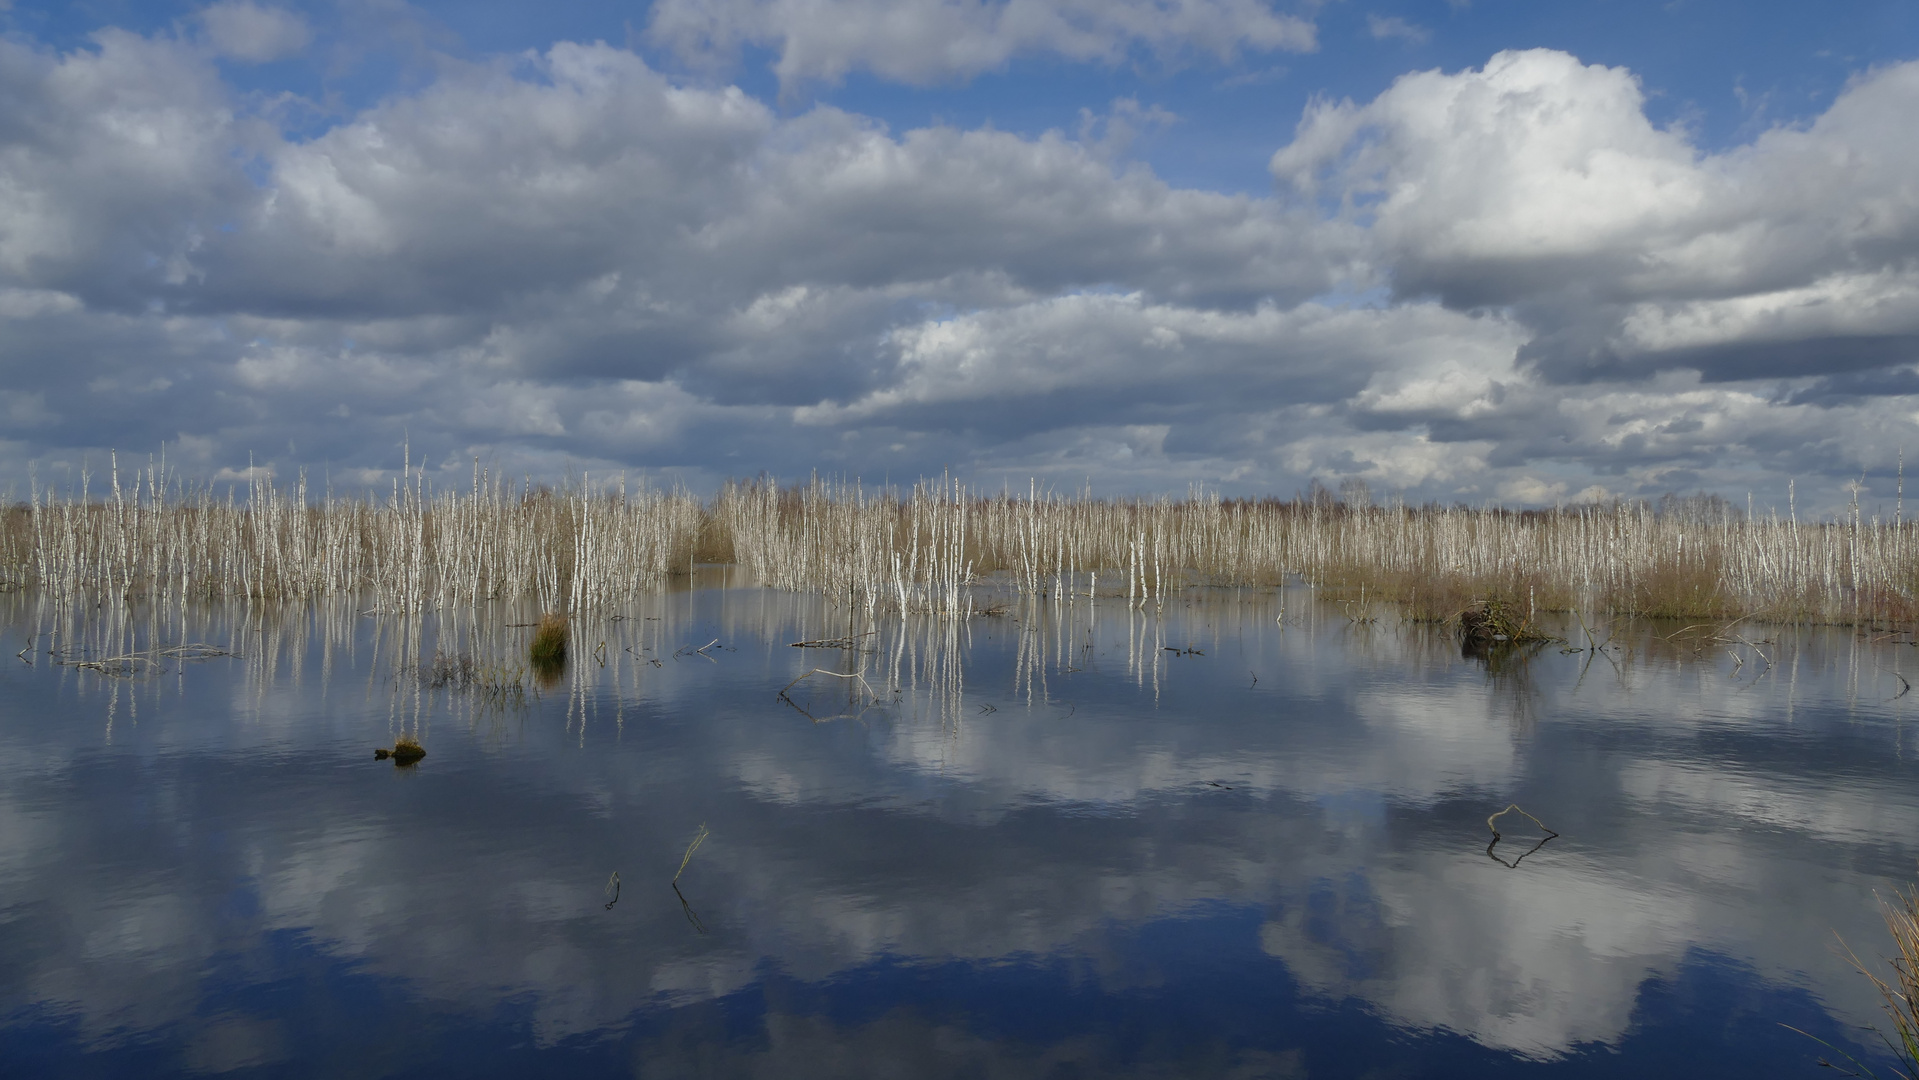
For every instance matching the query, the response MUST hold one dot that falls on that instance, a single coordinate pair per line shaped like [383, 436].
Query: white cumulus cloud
[1503, 281]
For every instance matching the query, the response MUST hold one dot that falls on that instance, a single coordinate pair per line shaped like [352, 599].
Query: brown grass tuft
[1900, 997]
[1485, 622]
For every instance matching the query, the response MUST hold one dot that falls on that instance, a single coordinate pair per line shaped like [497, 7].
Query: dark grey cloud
[1853, 387]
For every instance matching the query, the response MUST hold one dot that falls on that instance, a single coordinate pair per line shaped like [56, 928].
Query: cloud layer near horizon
[1500, 283]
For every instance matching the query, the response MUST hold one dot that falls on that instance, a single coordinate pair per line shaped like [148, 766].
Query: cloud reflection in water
[1034, 801]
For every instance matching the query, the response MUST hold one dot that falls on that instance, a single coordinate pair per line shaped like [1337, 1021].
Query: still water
[1241, 836]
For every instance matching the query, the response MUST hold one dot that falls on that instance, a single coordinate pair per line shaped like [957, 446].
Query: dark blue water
[1232, 838]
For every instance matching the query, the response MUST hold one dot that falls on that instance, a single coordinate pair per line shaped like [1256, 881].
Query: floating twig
[688, 650]
[1514, 809]
[131, 664]
[783, 696]
[851, 642]
[698, 839]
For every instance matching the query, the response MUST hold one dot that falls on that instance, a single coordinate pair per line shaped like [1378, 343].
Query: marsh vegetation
[944, 548]
[1899, 996]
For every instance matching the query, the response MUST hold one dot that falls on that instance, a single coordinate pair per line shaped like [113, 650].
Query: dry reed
[160, 538]
[1900, 997]
[1699, 558]
[927, 550]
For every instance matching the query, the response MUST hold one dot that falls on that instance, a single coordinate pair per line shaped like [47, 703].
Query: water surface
[1239, 836]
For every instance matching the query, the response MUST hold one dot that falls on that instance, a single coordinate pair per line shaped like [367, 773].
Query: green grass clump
[549, 641]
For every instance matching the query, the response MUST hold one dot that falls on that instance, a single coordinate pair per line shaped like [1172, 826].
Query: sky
[1478, 251]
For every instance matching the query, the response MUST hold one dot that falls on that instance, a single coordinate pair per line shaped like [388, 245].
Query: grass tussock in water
[1485, 622]
[549, 641]
[406, 751]
[595, 544]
